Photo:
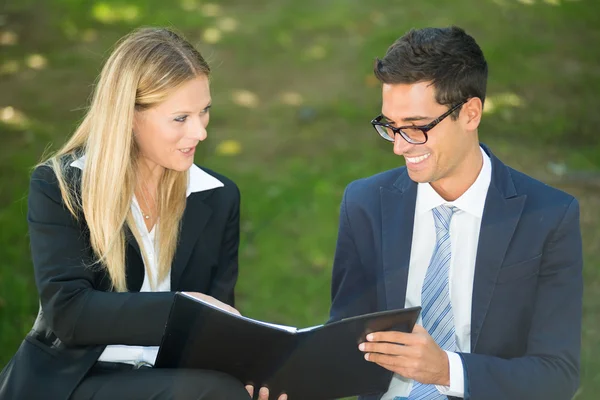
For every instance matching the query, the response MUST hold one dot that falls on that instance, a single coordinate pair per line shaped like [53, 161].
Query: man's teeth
[414, 160]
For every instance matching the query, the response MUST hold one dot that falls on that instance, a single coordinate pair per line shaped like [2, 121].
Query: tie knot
[442, 215]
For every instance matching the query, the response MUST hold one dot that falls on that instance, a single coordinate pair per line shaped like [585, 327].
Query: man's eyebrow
[415, 118]
[389, 120]
[407, 119]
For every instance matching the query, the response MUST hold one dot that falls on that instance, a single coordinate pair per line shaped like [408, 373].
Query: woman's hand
[263, 393]
[214, 302]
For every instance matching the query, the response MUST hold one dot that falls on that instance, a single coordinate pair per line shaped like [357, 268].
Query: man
[491, 255]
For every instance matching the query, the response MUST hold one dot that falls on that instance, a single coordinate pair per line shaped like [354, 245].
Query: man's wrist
[456, 384]
[445, 381]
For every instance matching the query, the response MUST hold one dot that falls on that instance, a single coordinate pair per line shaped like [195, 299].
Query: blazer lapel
[397, 216]
[501, 215]
[195, 217]
[194, 220]
[130, 239]
[134, 266]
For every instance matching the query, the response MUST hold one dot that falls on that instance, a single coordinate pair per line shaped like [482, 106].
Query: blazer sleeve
[225, 277]
[352, 290]
[76, 311]
[550, 368]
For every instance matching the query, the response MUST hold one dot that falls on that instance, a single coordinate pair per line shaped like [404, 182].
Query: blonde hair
[146, 66]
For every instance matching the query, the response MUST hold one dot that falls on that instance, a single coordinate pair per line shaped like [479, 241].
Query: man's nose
[401, 146]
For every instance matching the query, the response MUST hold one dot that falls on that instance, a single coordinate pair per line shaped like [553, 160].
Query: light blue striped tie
[435, 298]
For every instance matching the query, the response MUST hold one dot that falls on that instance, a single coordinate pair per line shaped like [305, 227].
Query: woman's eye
[181, 119]
[206, 109]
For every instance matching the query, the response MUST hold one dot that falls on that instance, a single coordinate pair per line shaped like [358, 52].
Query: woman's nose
[198, 131]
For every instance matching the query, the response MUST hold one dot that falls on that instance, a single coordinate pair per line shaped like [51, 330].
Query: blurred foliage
[293, 96]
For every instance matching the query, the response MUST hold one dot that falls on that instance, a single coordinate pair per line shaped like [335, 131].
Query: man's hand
[211, 300]
[412, 355]
[263, 393]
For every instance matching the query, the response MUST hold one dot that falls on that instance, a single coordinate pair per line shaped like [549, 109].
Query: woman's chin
[180, 165]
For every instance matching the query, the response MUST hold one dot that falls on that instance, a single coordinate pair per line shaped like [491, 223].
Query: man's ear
[471, 113]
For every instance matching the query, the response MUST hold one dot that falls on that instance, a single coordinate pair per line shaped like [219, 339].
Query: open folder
[321, 362]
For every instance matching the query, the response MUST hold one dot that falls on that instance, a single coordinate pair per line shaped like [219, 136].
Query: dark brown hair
[447, 57]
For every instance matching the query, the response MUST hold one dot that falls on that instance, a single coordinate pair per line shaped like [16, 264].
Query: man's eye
[181, 119]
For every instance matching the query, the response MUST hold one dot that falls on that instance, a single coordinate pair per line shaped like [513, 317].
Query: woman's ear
[139, 121]
[136, 118]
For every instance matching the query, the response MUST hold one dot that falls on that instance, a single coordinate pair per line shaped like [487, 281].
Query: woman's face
[167, 134]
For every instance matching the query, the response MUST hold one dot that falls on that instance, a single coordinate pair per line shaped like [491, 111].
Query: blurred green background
[293, 96]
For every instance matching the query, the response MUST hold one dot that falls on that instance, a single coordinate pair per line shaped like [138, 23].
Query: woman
[120, 218]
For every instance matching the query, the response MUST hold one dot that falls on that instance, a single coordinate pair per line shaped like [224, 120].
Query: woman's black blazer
[79, 315]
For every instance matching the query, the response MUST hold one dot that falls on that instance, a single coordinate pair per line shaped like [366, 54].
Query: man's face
[448, 142]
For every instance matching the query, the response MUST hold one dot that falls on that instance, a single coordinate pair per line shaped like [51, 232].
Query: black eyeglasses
[411, 133]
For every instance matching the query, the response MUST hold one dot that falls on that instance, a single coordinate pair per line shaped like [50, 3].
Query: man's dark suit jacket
[527, 291]
[79, 315]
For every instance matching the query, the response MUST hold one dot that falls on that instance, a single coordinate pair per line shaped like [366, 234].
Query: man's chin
[419, 176]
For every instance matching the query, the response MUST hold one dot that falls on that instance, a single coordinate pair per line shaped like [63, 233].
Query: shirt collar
[198, 180]
[471, 201]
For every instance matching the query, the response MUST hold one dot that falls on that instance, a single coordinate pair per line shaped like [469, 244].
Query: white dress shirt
[198, 181]
[464, 236]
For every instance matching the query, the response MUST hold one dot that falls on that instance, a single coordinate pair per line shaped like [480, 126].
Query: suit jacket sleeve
[550, 369]
[224, 278]
[77, 312]
[353, 291]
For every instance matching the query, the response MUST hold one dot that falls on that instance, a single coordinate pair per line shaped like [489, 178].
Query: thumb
[419, 329]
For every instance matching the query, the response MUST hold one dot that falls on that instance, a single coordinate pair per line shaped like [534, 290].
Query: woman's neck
[149, 174]
[146, 191]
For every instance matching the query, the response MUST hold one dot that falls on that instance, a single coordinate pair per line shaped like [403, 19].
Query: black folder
[321, 362]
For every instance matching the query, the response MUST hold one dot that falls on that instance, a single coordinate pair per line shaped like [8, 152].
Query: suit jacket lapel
[397, 214]
[195, 217]
[501, 215]
[130, 239]
[134, 269]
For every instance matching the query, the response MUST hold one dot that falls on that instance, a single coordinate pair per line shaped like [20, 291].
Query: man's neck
[452, 187]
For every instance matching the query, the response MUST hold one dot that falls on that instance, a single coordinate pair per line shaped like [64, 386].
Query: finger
[388, 361]
[263, 393]
[250, 390]
[419, 329]
[228, 308]
[385, 348]
[283, 397]
[400, 370]
[392, 337]
[234, 311]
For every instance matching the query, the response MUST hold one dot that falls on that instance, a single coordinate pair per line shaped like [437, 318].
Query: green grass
[295, 160]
